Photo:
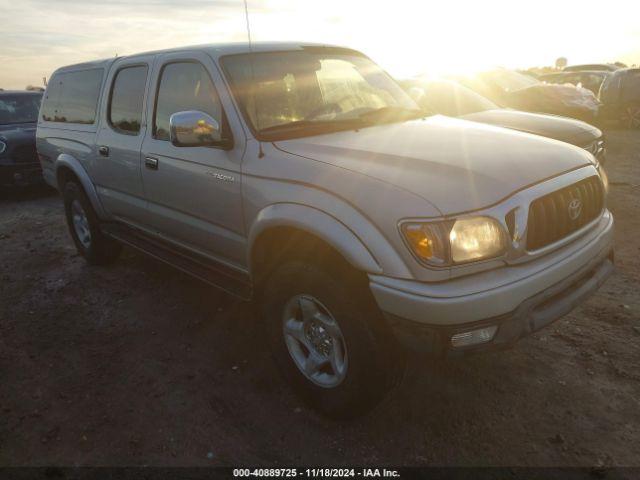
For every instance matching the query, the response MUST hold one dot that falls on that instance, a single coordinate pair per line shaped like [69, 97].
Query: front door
[193, 193]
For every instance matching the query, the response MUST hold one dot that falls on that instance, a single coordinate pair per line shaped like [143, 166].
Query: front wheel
[326, 335]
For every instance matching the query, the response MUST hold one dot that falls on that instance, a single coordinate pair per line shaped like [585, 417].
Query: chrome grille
[563, 212]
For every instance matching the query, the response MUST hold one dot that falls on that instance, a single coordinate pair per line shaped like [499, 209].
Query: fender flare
[67, 161]
[320, 224]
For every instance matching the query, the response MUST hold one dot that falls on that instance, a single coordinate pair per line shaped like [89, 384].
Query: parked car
[620, 97]
[522, 92]
[19, 163]
[591, 80]
[304, 177]
[600, 67]
[449, 98]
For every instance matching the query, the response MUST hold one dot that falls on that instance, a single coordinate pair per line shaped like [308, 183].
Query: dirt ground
[137, 364]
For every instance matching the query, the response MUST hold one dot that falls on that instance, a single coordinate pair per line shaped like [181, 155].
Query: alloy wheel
[315, 341]
[81, 224]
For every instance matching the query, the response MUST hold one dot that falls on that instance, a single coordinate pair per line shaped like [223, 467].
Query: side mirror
[195, 129]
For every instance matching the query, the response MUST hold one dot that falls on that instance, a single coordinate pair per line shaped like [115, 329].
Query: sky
[406, 37]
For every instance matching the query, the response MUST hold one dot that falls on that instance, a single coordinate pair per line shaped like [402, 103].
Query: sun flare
[406, 37]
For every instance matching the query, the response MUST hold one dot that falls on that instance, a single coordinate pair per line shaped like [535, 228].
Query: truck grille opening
[564, 211]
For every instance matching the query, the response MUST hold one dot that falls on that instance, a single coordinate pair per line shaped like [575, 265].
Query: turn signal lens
[426, 241]
[421, 241]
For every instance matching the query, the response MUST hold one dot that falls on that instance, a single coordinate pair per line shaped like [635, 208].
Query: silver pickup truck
[303, 177]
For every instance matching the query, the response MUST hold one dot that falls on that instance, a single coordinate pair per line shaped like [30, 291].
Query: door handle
[103, 150]
[151, 163]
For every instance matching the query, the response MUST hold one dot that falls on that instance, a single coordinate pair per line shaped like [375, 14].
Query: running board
[209, 271]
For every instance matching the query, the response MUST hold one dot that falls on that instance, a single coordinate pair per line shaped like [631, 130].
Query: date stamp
[316, 472]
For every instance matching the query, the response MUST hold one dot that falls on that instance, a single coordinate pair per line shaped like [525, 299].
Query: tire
[371, 362]
[84, 227]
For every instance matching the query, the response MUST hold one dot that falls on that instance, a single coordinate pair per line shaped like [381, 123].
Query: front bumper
[518, 308]
[20, 174]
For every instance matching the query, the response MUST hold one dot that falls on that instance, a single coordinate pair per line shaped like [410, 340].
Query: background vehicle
[600, 67]
[304, 177]
[449, 98]
[620, 97]
[19, 163]
[591, 80]
[522, 92]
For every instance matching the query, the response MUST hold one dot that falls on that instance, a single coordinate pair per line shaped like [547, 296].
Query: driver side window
[184, 86]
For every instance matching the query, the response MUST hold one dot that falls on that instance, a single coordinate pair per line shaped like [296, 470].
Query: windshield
[297, 93]
[452, 99]
[509, 80]
[19, 108]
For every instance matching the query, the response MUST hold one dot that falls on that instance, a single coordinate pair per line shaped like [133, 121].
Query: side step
[209, 271]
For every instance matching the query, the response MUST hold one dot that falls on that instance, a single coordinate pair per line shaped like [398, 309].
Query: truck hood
[454, 164]
[564, 129]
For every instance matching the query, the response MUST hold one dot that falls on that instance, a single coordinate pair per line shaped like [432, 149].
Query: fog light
[474, 337]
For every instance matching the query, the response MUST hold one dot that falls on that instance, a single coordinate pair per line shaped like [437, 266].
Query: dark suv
[19, 163]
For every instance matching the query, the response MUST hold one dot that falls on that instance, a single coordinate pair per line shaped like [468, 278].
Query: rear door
[194, 193]
[117, 169]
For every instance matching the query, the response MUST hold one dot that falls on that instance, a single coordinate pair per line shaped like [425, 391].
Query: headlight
[429, 241]
[3, 147]
[476, 238]
[456, 241]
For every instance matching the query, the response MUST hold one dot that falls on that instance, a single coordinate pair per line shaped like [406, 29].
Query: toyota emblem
[575, 209]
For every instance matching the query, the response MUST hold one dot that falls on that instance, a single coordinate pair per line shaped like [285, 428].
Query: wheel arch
[275, 225]
[282, 227]
[69, 168]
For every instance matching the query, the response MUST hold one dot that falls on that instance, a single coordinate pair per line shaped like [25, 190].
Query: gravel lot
[137, 364]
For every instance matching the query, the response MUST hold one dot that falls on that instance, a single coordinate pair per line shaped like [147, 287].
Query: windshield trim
[327, 127]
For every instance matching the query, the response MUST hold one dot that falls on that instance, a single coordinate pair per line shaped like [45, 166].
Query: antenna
[253, 77]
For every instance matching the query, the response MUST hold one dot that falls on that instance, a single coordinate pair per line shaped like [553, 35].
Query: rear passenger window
[51, 99]
[73, 97]
[127, 94]
[184, 86]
